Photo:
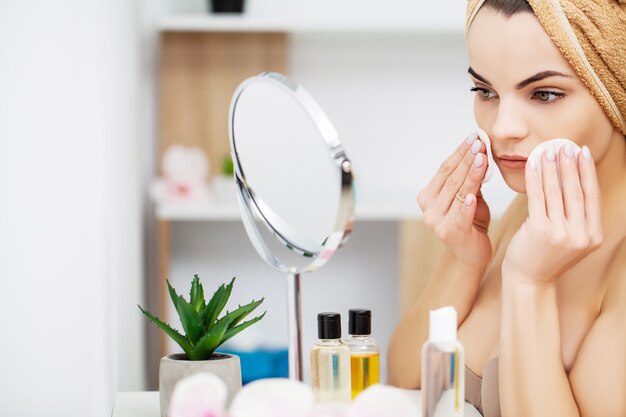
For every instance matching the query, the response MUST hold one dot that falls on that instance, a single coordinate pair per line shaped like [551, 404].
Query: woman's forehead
[506, 50]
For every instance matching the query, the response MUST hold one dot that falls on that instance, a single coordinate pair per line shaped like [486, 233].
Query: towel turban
[591, 34]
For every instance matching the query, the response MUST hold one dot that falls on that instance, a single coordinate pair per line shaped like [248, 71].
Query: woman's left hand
[563, 225]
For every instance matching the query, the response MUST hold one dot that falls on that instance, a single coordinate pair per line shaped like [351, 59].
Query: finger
[534, 193]
[551, 187]
[573, 201]
[591, 192]
[454, 182]
[433, 188]
[465, 219]
[482, 216]
[472, 183]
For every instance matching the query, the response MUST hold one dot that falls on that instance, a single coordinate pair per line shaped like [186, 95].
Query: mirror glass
[294, 180]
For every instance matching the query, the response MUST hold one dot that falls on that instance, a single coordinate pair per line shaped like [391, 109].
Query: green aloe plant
[204, 332]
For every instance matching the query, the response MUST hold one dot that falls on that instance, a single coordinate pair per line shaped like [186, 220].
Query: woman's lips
[512, 161]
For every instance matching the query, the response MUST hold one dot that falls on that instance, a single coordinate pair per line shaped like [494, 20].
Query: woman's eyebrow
[537, 77]
[478, 76]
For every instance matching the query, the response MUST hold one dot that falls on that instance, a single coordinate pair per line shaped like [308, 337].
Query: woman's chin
[515, 180]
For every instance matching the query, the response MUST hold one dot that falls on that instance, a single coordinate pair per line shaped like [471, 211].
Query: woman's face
[527, 93]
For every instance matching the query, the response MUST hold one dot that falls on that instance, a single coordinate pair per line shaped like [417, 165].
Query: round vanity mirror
[294, 184]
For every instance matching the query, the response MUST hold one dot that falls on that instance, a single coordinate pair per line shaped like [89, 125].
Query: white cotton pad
[556, 145]
[482, 135]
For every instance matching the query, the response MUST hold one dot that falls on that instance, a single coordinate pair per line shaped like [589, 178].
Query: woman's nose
[510, 122]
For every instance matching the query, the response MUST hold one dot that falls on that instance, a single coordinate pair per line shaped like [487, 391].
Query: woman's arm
[452, 283]
[563, 227]
[455, 211]
[533, 381]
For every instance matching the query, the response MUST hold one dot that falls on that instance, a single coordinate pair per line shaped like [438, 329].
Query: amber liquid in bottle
[364, 351]
[365, 369]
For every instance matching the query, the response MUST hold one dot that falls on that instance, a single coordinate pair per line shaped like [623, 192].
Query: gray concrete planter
[175, 367]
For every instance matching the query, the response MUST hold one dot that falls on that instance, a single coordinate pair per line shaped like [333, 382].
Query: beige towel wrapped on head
[591, 34]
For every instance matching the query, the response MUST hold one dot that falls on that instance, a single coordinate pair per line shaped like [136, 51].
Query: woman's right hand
[454, 208]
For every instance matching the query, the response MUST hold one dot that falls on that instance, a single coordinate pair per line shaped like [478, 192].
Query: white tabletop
[137, 404]
[146, 404]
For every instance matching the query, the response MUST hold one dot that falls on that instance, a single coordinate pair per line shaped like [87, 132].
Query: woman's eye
[547, 96]
[483, 93]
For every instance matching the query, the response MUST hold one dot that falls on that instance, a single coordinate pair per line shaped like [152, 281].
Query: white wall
[70, 255]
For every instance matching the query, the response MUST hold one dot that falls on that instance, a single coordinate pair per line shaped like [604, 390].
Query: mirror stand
[294, 312]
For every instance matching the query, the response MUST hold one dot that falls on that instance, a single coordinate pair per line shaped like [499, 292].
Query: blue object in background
[262, 363]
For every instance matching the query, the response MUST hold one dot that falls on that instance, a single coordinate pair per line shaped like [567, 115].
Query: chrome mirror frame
[254, 211]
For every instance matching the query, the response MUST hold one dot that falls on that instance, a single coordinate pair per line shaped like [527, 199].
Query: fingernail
[533, 164]
[550, 155]
[478, 160]
[587, 154]
[569, 150]
[476, 147]
[469, 199]
[471, 138]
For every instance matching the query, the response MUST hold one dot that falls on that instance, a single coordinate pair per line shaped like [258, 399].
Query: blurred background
[92, 94]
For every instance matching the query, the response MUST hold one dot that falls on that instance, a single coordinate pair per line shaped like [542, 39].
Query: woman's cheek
[482, 113]
[588, 124]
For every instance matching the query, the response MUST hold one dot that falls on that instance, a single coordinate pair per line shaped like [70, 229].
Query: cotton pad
[482, 135]
[555, 144]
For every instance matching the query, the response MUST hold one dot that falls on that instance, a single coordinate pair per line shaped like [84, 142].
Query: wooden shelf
[399, 23]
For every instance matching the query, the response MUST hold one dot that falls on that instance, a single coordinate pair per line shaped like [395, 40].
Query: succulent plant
[204, 332]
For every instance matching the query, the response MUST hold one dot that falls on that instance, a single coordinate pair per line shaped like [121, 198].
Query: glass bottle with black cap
[364, 350]
[330, 361]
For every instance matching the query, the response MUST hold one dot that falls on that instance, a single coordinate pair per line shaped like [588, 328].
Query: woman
[542, 301]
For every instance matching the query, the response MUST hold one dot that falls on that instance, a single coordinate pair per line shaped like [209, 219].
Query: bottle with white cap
[443, 367]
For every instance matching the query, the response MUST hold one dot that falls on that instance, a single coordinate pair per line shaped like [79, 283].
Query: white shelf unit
[419, 23]
[441, 19]
[229, 211]
[413, 50]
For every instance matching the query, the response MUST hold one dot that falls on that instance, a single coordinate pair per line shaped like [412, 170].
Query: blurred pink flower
[199, 395]
[384, 401]
[204, 395]
[185, 170]
[274, 397]
[332, 410]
